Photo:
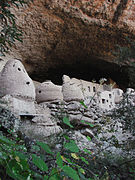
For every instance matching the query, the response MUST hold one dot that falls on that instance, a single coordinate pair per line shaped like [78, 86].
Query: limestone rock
[41, 126]
[77, 119]
[65, 79]
[77, 36]
[9, 120]
[18, 105]
[38, 131]
[48, 91]
[87, 132]
[83, 142]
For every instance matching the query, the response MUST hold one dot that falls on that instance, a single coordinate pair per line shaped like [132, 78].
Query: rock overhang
[78, 37]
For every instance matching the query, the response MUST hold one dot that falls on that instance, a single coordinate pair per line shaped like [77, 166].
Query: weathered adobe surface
[75, 37]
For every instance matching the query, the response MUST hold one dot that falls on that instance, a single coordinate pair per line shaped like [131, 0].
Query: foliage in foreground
[39, 161]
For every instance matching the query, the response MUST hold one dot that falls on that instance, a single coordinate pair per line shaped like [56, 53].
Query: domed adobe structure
[15, 81]
[71, 92]
[47, 91]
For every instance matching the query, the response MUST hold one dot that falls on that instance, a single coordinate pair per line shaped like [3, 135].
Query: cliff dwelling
[95, 69]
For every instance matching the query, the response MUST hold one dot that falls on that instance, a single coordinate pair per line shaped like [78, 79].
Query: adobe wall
[15, 81]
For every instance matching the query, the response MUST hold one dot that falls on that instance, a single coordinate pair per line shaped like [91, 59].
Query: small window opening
[89, 88]
[103, 101]
[28, 83]
[19, 69]
[94, 89]
[14, 65]
[107, 100]
[39, 91]
[110, 96]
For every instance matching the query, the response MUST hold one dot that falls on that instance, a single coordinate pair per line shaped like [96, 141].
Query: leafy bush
[19, 162]
[9, 31]
[125, 112]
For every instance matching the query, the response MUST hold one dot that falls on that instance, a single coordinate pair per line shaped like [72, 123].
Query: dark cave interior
[94, 69]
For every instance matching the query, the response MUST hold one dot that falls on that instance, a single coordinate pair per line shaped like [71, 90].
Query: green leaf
[45, 147]
[131, 170]
[71, 146]
[70, 172]
[21, 147]
[39, 163]
[89, 138]
[59, 160]
[66, 137]
[87, 151]
[82, 103]
[4, 155]
[82, 176]
[14, 170]
[91, 125]
[45, 178]
[20, 155]
[67, 122]
[5, 140]
[54, 175]
[81, 170]
[36, 175]
[35, 148]
[84, 160]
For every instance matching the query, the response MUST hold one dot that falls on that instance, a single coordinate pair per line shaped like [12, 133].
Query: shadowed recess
[94, 69]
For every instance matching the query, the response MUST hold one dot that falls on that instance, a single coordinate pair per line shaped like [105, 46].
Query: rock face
[40, 126]
[75, 37]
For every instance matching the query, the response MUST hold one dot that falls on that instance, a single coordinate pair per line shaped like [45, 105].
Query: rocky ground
[94, 128]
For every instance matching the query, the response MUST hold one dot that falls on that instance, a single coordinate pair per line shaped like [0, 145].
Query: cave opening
[94, 69]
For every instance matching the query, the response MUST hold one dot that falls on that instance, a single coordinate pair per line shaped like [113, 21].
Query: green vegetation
[24, 159]
[9, 31]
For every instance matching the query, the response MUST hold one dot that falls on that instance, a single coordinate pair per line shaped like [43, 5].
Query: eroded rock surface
[74, 37]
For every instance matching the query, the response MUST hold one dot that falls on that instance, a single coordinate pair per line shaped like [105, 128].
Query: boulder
[40, 126]
[18, 105]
